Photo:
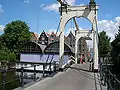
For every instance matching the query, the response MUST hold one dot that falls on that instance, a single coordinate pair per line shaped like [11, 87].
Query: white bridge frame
[88, 12]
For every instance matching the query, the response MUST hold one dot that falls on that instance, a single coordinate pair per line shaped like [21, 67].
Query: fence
[22, 70]
[108, 78]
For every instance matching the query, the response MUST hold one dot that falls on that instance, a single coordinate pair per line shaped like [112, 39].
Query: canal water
[9, 76]
[12, 79]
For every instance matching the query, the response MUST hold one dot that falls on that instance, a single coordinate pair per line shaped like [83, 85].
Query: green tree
[15, 34]
[104, 44]
[116, 48]
[2, 42]
[116, 52]
[7, 55]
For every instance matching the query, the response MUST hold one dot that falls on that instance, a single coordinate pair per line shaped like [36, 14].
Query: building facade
[49, 44]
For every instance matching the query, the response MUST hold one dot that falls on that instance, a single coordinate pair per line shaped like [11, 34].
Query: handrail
[114, 76]
[109, 78]
[3, 83]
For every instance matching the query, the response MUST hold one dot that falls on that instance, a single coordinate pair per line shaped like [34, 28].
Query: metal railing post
[115, 85]
[50, 68]
[109, 77]
[43, 70]
[3, 79]
[34, 73]
[107, 80]
[54, 66]
[101, 71]
[113, 79]
[22, 83]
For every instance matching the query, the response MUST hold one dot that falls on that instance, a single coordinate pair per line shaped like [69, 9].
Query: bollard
[34, 73]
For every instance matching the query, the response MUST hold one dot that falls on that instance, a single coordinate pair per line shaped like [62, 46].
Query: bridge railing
[108, 78]
[23, 70]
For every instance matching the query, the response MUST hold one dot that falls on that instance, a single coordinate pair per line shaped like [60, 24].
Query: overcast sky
[44, 15]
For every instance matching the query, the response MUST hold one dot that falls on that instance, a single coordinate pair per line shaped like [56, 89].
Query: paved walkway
[76, 78]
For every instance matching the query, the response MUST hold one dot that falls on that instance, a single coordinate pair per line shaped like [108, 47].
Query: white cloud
[117, 19]
[1, 10]
[81, 5]
[1, 28]
[42, 5]
[111, 27]
[54, 6]
[26, 1]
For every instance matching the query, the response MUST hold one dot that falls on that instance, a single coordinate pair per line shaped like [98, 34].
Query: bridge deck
[76, 78]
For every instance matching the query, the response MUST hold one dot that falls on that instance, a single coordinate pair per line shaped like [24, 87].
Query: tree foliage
[116, 52]
[104, 44]
[6, 55]
[15, 34]
[116, 48]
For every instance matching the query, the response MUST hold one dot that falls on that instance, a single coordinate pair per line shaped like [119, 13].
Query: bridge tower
[71, 12]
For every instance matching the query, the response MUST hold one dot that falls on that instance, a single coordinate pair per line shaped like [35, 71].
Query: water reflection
[29, 76]
[12, 79]
[10, 76]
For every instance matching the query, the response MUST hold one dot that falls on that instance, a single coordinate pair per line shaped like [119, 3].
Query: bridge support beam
[95, 46]
[61, 53]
